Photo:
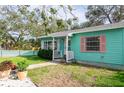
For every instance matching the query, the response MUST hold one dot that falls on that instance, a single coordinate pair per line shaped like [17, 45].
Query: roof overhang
[84, 30]
[100, 28]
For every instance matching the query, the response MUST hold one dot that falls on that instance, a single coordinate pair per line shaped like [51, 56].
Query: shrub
[21, 66]
[6, 65]
[10, 64]
[47, 54]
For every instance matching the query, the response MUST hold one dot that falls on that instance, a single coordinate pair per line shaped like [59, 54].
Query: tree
[102, 14]
[18, 22]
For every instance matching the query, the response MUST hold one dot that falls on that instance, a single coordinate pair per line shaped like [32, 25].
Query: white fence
[10, 53]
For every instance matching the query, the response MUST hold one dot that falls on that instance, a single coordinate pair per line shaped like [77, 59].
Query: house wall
[114, 47]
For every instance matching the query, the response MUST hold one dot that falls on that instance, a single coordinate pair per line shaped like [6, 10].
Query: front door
[57, 51]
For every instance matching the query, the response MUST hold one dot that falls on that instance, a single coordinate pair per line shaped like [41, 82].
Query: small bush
[6, 65]
[47, 54]
[22, 66]
[10, 64]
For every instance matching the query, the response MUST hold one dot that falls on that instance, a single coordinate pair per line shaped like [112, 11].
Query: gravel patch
[13, 81]
[17, 83]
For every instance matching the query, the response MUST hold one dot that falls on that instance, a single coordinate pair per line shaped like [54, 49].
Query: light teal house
[100, 45]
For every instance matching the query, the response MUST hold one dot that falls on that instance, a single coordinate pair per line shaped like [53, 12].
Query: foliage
[102, 14]
[22, 65]
[6, 65]
[21, 22]
[47, 54]
[9, 63]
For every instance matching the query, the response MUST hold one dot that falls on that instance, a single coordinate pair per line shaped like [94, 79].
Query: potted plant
[22, 72]
[5, 69]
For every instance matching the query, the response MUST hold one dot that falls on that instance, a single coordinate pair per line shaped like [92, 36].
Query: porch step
[62, 61]
[59, 60]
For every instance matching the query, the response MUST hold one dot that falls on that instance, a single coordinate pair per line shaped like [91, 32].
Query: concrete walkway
[41, 65]
[17, 83]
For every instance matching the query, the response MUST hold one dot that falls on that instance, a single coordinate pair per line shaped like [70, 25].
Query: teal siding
[123, 46]
[114, 47]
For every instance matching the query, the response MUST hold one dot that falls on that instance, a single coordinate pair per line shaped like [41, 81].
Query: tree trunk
[109, 19]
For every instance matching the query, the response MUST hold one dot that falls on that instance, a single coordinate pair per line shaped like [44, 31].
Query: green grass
[85, 76]
[28, 59]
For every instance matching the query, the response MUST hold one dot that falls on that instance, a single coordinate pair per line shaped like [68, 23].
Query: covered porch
[61, 47]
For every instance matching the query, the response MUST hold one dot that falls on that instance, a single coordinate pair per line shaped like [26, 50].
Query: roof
[88, 29]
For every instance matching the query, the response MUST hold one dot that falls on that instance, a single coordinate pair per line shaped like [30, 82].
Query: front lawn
[28, 59]
[63, 75]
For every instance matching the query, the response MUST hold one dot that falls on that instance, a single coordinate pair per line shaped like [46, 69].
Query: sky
[80, 12]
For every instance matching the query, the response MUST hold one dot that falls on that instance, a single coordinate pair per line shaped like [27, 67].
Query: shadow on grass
[119, 76]
[33, 58]
[91, 66]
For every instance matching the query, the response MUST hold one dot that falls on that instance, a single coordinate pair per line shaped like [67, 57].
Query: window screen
[92, 43]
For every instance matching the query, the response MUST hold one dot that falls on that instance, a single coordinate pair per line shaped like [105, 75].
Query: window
[96, 43]
[69, 44]
[45, 45]
[48, 45]
[92, 43]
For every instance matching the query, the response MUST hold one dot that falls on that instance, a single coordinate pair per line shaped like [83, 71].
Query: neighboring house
[100, 45]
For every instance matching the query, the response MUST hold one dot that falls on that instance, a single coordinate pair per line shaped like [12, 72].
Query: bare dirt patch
[75, 75]
[60, 80]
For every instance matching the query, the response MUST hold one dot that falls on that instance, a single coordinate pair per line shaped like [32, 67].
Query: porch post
[66, 49]
[53, 48]
[42, 44]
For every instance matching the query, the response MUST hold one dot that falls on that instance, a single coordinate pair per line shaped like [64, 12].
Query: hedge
[47, 54]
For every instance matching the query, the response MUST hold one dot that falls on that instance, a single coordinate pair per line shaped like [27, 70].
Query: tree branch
[107, 15]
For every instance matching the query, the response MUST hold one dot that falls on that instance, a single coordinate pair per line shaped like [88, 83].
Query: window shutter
[102, 43]
[82, 44]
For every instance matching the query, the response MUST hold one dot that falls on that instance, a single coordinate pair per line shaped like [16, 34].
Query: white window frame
[47, 44]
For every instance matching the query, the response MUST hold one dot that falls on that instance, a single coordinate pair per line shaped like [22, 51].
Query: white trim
[66, 49]
[44, 36]
[53, 45]
[42, 44]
